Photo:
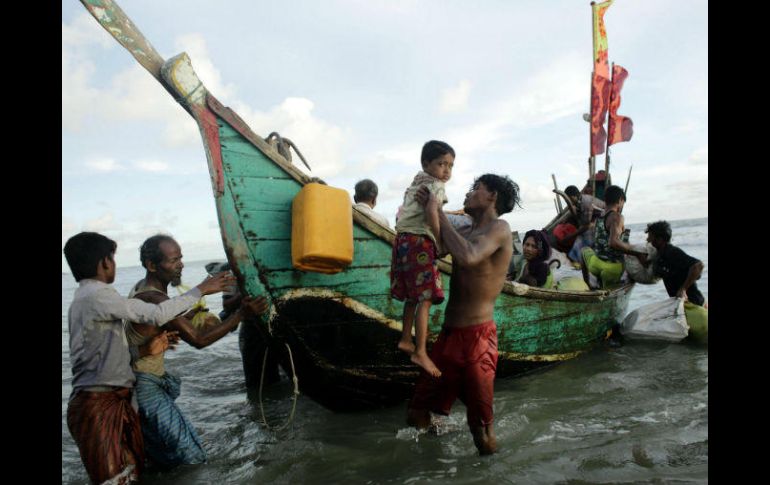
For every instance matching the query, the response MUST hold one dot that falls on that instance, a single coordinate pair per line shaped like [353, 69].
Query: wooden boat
[342, 328]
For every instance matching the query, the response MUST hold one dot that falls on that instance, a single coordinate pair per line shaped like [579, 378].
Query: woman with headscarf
[535, 271]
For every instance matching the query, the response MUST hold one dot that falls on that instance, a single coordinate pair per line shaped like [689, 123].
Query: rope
[283, 145]
[296, 390]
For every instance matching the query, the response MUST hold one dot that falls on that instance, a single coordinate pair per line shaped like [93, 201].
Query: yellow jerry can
[321, 229]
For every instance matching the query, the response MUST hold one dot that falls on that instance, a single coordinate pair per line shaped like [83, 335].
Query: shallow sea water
[633, 414]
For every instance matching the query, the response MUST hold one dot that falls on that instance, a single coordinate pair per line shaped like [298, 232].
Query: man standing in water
[169, 437]
[466, 348]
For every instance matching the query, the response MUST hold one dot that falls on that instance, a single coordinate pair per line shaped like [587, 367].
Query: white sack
[663, 320]
[634, 267]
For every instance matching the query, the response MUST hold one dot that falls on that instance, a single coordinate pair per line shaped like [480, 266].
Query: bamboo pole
[607, 146]
[590, 94]
[559, 207]
[627, 180]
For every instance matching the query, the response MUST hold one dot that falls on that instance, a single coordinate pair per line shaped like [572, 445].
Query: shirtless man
[466, 348]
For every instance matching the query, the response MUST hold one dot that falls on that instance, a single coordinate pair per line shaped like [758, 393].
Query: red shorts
[414, 274]
[467, 358]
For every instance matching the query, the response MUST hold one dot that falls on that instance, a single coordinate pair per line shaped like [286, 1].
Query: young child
[414, 276]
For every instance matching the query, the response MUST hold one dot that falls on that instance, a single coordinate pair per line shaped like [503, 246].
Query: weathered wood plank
[243, 159]
[262, 194]
[276, 224]
[352, 281]
[276, 254]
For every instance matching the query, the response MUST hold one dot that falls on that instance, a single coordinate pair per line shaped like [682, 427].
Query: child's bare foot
[424, 361]
[406, 346]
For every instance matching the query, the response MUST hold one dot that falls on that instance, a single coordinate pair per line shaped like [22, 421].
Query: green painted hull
[343, 328]
[339, 331]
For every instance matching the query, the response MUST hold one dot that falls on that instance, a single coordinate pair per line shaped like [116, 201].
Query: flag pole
[592, 157]
[607, 147]
[590, 130]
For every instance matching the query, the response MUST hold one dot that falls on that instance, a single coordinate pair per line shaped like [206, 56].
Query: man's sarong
[107, 432]
[169, 438]
[467, 358]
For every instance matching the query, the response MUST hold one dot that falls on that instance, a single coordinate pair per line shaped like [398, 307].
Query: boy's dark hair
[366, 191]
[506, 189]
[613, 194]
[660, 229]
[150, 249]
[572, 191]
[85, 251]
[434, 149]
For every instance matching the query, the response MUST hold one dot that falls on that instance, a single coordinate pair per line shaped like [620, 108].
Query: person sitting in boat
[169, 438]
[606, 261]
[366, 198]
[588, 208]
[535, 271]
[680, 271]
[414, 275]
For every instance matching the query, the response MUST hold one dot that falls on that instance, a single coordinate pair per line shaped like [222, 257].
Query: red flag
[620, 128]
[600, 94]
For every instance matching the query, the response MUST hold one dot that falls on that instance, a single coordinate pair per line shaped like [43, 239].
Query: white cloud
[134, 95]
[151, 166]
[85, 31]
[455, 99]
[556, 91]
[130, 95]
[104, 165]
[320, 142]
[195, 46]
[77, 96]
[688, 126]
[688, 170]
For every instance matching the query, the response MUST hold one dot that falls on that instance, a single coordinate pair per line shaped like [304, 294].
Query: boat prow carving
[180, 76]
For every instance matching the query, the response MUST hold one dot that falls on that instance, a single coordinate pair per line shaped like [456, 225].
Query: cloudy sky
[360, 85]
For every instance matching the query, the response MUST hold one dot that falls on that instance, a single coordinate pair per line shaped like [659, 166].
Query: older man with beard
[169, 437]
